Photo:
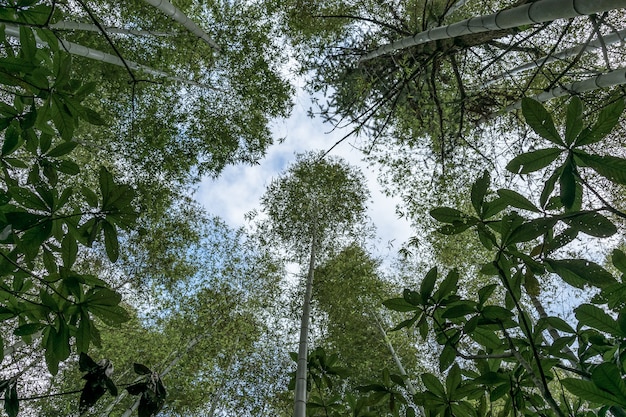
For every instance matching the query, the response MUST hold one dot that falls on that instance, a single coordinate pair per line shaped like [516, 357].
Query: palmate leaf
[607, 377]
[540, 120]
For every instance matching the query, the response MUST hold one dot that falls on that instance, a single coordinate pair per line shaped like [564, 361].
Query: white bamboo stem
[609, 79]
[180, 17]
[89, 27]
[536, 12]
[80, 50]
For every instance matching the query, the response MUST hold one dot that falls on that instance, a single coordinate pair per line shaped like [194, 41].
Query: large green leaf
[428, 284]
[607, 377]
[567, 184]
[587, 390]
[533, 161]
[607, 120]
[540, 120]
[610, 167]
[595, 317]
[515, 199]
[573, 120]
[591, 223]
[399, 304]
[580, 272]
[479, 188]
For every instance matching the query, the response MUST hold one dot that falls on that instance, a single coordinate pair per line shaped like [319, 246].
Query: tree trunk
[536, 12]
[177, 15]
[301, 371]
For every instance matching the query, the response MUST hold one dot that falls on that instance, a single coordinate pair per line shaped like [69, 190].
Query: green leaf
[447, 215]
[587, 390]
[579, 272]
[573, 120]
[448, 285]
[531, 230]
[540, 120]
[610, 167]
[11, 400]
[62, 149]
[112, 316]
[11, 141]
[591, 223]
[428, 284]
[479, 188]
[608, 378]
[533, 161]
[28, 329]
[558, 323]
[619, 260]
[448, 354]
[110, 241]
[515, 199]
[595, 317]
[399, 304]
[69, 250]
[103, 297]
[567, 184]
[459, 309]
[433, 385]
[607, 120]
[548, 188]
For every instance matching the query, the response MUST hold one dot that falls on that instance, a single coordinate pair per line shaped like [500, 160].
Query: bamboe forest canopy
[497, 125]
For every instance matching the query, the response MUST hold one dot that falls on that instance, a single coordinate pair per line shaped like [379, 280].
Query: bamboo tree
[310, 209]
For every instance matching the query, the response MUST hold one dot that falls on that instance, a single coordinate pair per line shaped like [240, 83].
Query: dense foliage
[119, 294]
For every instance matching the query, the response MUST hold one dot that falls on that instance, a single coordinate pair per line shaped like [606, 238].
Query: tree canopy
[498, 123]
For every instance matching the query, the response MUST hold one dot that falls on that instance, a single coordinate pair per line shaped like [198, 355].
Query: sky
[239, 188]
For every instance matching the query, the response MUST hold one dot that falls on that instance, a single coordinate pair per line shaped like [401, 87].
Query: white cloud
[238, 189]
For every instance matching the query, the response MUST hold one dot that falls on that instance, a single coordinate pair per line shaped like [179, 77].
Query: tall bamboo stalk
[536, 12]
[301, 371]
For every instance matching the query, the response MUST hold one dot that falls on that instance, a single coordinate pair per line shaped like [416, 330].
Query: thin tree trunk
[394, 355]
[177, 15]
[80, 50]
[536, 12]
[566, 53]
[89, 27]
[301, 371]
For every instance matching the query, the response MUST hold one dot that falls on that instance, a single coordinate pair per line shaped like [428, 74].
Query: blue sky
[239, 188]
